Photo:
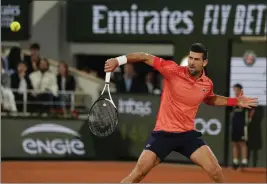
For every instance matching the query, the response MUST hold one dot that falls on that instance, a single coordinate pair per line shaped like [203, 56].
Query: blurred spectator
[33, 60]
[129, 82]
[5, 79]
[45, 85]
[116, 74]
[7, 97]
[149, 82]
[21, 82]
[65, 83]
[240, 120]
[12, 60]
[4, 62]
[150, 87]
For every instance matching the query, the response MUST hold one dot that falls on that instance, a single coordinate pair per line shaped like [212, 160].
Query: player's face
[196, 63]
[237, 91]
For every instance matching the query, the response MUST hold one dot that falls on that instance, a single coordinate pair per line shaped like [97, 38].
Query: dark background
[23, 19]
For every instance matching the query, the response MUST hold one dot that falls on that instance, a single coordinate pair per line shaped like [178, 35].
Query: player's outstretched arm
[241, 101]
[217, 100]
[140, 57]
[113, 63]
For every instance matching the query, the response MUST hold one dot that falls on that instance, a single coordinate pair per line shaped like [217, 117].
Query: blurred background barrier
[29, 137]
[67, 139]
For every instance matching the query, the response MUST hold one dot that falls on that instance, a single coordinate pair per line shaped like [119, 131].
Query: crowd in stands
[28, 77]
[130, 82]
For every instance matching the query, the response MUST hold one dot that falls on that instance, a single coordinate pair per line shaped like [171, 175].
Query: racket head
[103, 117]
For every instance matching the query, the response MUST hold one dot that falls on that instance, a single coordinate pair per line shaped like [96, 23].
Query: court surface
[76, 172]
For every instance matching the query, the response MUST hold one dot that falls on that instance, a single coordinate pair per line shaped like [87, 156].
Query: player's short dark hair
[35, 46]
[239, 86]
[199, 48]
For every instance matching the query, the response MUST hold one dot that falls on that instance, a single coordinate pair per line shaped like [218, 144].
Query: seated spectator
[129, 82]
[66, 83]
[149, 82]
[150, 86]
[33, 60]
[7, 97]
[12, 60]
[5, 78]
[22, 83]
[4, 61]
[44, 83]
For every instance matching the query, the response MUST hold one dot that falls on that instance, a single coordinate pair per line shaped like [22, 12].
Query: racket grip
[107, 79]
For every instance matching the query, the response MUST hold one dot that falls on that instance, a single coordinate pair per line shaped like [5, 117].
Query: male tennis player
[185, 88]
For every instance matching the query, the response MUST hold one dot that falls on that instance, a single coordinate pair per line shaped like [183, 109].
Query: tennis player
[185, 88]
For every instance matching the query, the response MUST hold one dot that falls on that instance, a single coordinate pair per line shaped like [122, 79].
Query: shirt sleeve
[165, 67]
[210, 95]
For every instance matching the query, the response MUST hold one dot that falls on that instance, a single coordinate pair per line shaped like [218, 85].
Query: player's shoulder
[160, 59]
[161, 62]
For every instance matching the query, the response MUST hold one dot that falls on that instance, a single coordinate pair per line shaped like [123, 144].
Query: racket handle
[107, 79]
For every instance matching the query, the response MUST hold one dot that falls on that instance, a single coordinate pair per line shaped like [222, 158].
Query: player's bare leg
[235, 155]
[205, 158]
[145, 163]
[244, 153]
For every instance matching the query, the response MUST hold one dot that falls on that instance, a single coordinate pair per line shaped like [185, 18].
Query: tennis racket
[103, 115]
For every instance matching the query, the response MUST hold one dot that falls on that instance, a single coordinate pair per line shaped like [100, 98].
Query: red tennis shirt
[181, 96]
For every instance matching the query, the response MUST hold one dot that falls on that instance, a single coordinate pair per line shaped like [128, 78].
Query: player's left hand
[246, 102]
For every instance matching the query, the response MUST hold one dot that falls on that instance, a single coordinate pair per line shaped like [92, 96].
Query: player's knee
[215, 171]
[140, 171]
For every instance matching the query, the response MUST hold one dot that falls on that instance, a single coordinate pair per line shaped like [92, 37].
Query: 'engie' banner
[163, 20]
[15, 10]
[71, 139]
[36, 138]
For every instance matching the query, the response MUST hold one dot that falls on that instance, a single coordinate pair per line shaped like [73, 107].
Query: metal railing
[73, 99]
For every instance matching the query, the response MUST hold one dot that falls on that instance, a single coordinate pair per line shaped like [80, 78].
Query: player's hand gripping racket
[103, 115]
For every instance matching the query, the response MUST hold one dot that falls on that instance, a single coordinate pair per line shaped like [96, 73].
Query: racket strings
[103, 118]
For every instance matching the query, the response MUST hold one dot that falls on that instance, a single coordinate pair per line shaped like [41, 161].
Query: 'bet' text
[247, 19]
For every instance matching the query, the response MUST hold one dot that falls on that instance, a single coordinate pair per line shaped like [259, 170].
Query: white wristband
[122, 60]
